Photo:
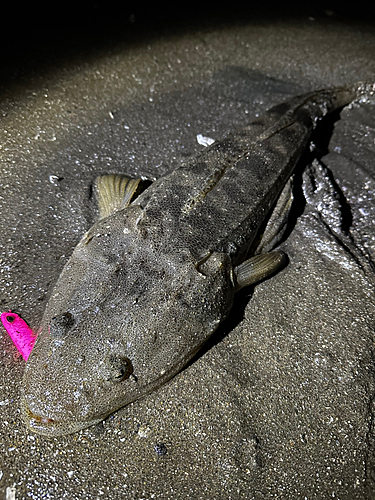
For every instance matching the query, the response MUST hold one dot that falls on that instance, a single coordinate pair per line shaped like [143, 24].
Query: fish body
[149, 283]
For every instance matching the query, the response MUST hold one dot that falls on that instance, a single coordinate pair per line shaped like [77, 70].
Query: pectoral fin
[257, 268]
[278, 221]
[114, 192]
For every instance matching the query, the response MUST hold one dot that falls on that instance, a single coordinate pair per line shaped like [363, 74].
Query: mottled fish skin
[148, 285]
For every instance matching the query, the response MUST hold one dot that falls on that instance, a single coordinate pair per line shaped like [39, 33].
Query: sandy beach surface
[279, 404]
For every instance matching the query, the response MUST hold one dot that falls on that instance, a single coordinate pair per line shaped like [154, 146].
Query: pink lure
[19, 331]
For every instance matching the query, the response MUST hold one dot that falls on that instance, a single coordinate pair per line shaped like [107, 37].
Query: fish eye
[10, 319]
[118, 368]
[61, 324]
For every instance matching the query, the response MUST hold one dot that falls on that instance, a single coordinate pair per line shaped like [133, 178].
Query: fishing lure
[20, 332]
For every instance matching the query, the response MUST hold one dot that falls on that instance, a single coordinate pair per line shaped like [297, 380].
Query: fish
[154, 277]
[20, 332]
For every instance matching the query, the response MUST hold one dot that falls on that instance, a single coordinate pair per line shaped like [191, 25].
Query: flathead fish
[153, 278]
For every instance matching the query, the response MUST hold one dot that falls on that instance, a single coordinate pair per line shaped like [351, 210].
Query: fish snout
[52, 427]
[47, 414]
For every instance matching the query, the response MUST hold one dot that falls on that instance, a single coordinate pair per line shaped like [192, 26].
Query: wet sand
[279, 404]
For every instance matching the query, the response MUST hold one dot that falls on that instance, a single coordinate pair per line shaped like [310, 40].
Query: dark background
[36, 38]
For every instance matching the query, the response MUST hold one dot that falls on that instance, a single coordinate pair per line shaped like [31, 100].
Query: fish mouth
[53, 428]
[37, 419]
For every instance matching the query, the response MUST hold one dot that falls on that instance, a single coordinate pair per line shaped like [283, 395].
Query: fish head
[89, 362]
[75, 376]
